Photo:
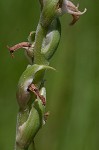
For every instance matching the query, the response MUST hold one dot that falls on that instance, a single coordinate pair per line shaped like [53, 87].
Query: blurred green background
[72, 91]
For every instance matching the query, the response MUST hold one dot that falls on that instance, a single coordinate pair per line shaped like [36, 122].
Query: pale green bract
[27, 131]
[33, 74]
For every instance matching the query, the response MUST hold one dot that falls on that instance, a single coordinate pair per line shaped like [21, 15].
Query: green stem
[47, 16]
[40, 35]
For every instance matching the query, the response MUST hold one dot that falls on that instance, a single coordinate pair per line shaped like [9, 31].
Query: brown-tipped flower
[24, 45]
[36, 91]
[68, 7]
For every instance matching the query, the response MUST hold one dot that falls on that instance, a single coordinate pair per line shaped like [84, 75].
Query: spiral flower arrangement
[39, 49]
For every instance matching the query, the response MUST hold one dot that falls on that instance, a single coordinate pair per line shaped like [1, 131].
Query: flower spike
[41, 45]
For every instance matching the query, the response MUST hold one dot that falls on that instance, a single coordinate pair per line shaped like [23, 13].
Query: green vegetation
[72, 91]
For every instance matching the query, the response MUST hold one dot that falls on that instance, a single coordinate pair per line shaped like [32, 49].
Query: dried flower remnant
[68, 7]
[35, 90]
[24, 45]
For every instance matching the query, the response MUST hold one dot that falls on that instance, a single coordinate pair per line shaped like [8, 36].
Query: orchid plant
[39, 49]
